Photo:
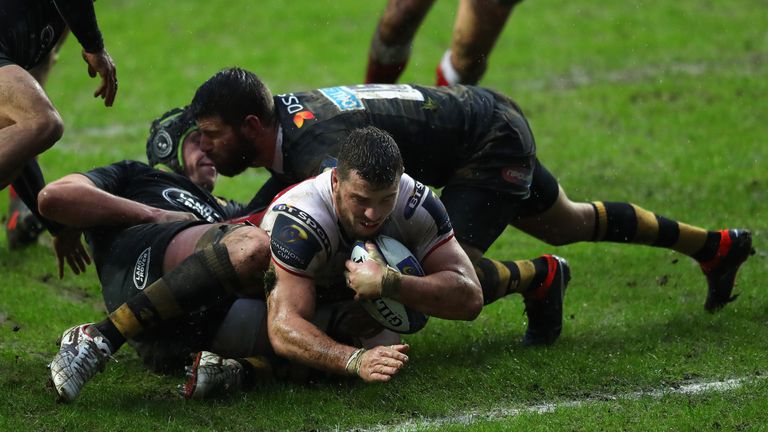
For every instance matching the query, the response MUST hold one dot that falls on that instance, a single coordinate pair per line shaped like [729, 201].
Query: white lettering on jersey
[350, 98]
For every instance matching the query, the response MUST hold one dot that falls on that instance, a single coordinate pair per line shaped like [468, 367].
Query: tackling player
[163, 254]
[477, 27]
[30, 32]
[474, 143]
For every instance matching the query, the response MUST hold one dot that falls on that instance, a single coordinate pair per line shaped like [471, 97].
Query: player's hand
[380, 364]
[101, 63]
[167, 216]
[68, 246]
[365, 277]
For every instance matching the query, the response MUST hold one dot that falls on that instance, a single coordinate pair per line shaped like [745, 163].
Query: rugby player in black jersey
[160, 244]
[477, 26]
[477, 146]
[30, 33]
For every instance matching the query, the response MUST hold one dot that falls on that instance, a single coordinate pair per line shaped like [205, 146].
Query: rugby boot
[211, 375]
[735, 247]
[83, 352]
[22, 227]
[544, 306]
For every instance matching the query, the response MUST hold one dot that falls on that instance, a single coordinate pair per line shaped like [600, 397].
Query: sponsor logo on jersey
[299, 118]
[414, 200]
[343, 98]
[291, 103]
[517, 174]
[436, 209]
[409, 266]
[308, 222]
[46, 36]
[141, 268]
[350, 98]
[188, 202]
[291, 244]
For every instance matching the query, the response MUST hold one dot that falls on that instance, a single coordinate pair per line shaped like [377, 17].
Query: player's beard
[233, 162]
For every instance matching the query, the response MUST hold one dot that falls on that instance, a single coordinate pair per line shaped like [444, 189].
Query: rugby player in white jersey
[313, 227]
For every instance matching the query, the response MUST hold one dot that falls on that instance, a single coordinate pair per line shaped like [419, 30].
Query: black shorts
[503, 157]
[480, 214]
[132, 259]
[5, 60]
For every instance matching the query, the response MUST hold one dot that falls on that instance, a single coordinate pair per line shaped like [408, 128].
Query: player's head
[366, 181]
[174, 141]
[226, 108]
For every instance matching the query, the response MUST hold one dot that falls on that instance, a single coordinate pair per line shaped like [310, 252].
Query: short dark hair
[373, 153]
[233, 94]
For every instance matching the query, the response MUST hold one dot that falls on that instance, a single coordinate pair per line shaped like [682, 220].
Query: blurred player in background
[31, 32]
[478, 25]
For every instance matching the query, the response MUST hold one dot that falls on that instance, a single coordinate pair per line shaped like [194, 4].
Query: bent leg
[212, 263]
[29, 124]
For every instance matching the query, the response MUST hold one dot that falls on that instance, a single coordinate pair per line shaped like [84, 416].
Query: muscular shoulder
[302, 228]
[419, 220]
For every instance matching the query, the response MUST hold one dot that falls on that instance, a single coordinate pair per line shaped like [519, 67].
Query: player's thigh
[22, 98]
[478, 215]
[550, 215]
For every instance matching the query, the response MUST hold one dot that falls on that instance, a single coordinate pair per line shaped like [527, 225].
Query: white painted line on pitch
[499, 413]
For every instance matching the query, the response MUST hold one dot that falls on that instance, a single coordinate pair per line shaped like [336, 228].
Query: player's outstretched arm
[75, 201]
[81, 20]
[291, 304]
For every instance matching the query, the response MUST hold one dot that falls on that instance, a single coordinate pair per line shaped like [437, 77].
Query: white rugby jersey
[306, 237]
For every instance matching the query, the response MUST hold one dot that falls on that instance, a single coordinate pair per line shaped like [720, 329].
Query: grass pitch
[655, 102]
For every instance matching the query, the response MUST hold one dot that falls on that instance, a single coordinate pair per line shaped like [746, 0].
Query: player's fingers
[377, 377]
[111, 90]
[402, 348]
[84, 255]
[72, 265]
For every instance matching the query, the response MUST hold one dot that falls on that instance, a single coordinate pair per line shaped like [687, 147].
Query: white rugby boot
[83, 352]
[211, 374]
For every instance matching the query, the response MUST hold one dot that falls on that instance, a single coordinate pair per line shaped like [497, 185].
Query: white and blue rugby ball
[388, 312]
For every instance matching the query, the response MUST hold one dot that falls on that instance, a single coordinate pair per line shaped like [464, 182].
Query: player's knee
[248, 249]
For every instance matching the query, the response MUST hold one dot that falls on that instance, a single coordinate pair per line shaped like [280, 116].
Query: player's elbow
[474, 302]
[51, 200]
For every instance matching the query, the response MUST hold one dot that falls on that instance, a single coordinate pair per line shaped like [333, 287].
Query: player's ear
[251, 127]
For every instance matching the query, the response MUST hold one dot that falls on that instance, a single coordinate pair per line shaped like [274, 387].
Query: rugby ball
[388, 312]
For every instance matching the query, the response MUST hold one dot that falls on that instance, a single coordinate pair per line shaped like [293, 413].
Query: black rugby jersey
[138, 182]
[436, 128]
[29, 29]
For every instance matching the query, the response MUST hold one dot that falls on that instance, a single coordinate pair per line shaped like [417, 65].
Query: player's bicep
[291, 297]
[448, 256]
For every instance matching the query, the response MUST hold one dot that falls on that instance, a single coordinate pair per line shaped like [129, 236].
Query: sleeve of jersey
[111, 178]
[298, 245]
[81, 19]
[431, 224]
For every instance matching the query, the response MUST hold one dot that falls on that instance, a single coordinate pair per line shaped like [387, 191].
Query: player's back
[436, 128]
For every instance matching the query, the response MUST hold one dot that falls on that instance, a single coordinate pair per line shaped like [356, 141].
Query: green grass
[658, 103]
